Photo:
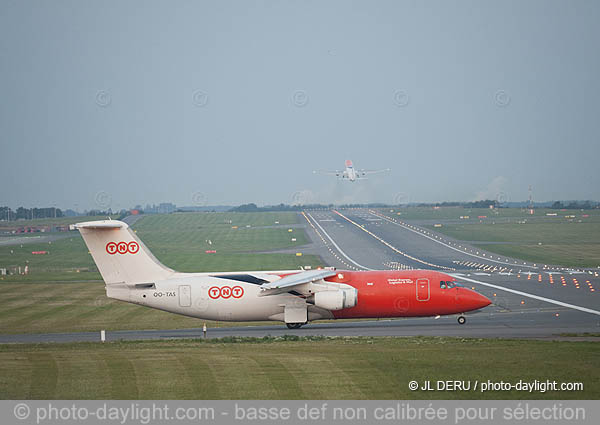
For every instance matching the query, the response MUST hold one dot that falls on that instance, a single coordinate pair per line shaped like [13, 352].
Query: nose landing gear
[461, 320]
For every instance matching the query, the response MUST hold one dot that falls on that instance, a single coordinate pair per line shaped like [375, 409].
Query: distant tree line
[487, 203]
[93, 213]
[283, 207]
[21, 213]
[6, 213]
[109, 213]
[574, 205]
[472, 204]
[254, 208]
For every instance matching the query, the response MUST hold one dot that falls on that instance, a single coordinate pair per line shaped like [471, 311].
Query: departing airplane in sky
[350, 173]
[132, 274]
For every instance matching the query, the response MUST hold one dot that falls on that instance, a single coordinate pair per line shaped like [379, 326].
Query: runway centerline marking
[448, 246]
[336, 245]
[526, 294]
[393, 248]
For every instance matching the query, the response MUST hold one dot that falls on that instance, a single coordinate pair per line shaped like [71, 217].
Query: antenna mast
[530, 200]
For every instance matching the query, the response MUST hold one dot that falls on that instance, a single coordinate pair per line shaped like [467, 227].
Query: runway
[516, 287]
[530, 300]
[523, 324]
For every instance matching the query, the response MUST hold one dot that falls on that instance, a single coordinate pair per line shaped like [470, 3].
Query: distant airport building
[162, 208]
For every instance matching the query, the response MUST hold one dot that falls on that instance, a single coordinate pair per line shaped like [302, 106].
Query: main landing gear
[461, 320]
[294, 325]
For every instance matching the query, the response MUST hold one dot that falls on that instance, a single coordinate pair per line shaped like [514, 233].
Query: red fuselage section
[406, 294]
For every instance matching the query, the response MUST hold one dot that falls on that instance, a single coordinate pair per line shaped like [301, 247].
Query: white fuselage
[213, 298]
[349, 173]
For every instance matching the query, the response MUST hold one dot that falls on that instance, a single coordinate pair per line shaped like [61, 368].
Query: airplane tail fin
[120, 256]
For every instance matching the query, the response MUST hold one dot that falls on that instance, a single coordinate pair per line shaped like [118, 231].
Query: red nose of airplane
[470, 300]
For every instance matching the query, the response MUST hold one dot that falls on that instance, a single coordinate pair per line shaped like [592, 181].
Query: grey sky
[241, 100]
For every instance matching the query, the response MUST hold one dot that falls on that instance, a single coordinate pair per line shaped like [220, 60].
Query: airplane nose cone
[470, 300]
[483, 301]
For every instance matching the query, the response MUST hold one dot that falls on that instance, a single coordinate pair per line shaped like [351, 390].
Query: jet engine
[336, 300]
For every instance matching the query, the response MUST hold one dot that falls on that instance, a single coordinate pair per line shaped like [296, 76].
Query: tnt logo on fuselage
[122, 248]
[225, 292]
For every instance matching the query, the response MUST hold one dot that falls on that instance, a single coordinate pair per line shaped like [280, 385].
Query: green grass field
[500, 214]
[66, 255]
[64, 291]
[560, 239]
[561, 242]
[276, 368]
[180, 242]
[42, 307]
[49, 221]
[451, 213]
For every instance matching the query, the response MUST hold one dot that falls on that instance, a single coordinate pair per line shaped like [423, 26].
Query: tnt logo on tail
[122, 248]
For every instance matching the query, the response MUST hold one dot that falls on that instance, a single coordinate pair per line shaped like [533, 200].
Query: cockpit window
[448, 284]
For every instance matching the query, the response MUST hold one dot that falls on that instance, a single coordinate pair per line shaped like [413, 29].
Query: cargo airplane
[132, 274]
[350, 173]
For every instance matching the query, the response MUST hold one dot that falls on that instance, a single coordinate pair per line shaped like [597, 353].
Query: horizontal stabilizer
[102, 224]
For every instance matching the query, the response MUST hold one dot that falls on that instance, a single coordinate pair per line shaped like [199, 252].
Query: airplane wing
[365, 172]
[331, 173]
[288, 283]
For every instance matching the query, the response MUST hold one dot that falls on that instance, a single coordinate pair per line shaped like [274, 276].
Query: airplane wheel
[294, 325]
[461, 320]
